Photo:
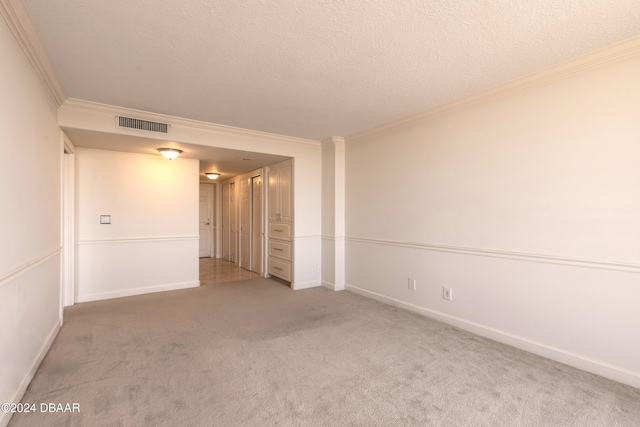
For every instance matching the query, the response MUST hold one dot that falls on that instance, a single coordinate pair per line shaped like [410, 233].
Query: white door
[245, 223]
[286, 190]
[274, 184]
[206, 209]
[226, 230]
[233, 223]
[256, 228]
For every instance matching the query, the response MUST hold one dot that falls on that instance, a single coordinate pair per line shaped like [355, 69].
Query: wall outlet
[447, 293]
[316, 266]
[412, 284]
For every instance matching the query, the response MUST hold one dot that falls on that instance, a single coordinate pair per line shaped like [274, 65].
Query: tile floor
[218, 270]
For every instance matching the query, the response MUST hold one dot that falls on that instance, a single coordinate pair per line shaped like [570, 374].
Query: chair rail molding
[523, 256]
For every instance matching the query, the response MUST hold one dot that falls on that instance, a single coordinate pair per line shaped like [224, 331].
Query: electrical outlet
[316, 266]
[447, 293]
[412, 284]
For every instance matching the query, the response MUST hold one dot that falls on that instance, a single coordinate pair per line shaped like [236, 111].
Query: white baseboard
[137, 291]
[586, 364]
[305, 285]
[333, 286]
[26, 380]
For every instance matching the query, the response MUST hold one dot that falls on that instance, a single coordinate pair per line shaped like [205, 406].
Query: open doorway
[243, 238]
[239, 210]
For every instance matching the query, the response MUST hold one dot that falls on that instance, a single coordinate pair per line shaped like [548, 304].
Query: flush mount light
[169, 153]
[212, 175]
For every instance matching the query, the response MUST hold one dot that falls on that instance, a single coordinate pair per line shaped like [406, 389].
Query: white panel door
[245, 223]
[226, 225]
[233, 223]
[274, 208]
[286, 190]
[256, 228]
[206, 209]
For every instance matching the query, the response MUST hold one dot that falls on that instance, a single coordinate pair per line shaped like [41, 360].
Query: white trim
[138, 291]
[136, 240]
[333, 286]
[308, 237]
[68, 146]
[21, 25]
[334, 238]
[594, 366]
[522, 256]
[305, 285]
[67, 222]
[5, 417]
[95, 107]
[605, 56]
[18, 271]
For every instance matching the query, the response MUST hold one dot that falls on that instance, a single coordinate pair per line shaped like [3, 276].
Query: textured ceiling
[313, 68]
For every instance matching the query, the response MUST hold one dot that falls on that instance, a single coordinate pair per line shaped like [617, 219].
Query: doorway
[243, 243]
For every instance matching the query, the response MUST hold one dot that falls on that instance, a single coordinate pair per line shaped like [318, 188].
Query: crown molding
[19, 21]
[332, 141]
[608, 55]
[98, 108]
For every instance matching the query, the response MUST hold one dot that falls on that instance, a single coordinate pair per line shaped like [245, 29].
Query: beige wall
[29, 221]
[526, 203]
[152, 243]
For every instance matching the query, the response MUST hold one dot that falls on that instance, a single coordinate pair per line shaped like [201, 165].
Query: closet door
[273, 195]
[226, 230]
[256, 228]
[245, 223]
[233, 223]
[285, 191]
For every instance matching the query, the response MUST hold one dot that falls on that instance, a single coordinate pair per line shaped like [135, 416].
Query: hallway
[218, 270]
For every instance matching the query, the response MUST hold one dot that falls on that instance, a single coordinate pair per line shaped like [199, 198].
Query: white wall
[29, 221]
[152, 243]
[526, 203]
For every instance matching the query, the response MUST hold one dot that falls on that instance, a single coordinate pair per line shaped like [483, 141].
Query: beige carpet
[255, 353]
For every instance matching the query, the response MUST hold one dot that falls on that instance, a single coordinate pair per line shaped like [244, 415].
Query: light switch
[105, 219]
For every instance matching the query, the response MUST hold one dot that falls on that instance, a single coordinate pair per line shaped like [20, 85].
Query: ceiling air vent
[131, 123]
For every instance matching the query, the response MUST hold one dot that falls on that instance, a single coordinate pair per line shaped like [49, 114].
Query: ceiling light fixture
[169, 153]
[212, 175]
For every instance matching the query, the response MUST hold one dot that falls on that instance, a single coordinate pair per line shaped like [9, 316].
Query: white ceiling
[313, 68]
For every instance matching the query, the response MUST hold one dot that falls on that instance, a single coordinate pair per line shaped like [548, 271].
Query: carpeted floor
[255, 353]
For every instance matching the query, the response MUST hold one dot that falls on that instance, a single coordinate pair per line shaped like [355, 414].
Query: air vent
[131, 123]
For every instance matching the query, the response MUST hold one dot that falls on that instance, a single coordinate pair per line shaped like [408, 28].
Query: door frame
[67, 222]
